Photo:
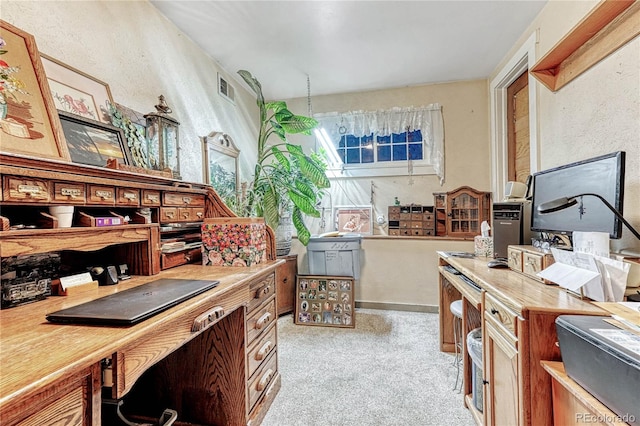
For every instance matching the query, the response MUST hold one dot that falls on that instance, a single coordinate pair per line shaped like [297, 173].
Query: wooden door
[518, 151]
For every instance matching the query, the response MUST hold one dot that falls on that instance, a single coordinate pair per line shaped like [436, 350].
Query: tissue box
[234, 241]
[483, 246]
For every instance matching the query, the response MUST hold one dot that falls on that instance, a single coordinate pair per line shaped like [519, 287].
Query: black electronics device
[602, 175]
[133, 305]
[600, 357]
[511, 226]
[104, 276]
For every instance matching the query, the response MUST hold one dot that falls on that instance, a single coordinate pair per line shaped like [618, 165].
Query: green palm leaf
[304, 203]
[301, 229]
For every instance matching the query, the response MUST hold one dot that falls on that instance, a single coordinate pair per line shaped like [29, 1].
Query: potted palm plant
[286, 181]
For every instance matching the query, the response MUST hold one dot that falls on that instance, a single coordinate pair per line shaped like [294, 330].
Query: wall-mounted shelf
[611, 24]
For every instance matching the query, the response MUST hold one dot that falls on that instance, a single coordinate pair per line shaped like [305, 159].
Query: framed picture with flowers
[76, 92]
[29, 121]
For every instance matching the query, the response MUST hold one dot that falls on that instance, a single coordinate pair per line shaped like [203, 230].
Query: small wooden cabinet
[286, 284]
[460, 213]
[411, 220]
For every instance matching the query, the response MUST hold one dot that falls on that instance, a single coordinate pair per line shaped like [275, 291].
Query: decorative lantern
[162, 137]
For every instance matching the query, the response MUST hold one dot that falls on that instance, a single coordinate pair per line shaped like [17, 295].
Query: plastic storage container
[474, 347]
[337, 256]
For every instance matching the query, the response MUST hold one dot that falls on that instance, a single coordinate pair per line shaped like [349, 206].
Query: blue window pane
[384, 153]
[367, 155]
[415, 151]
[342, 142]
[352, 141]
[382, 140]
[366, 140]
[399, 137]
[353, 156]
[399, 152]
[415, 136]
[341, 154]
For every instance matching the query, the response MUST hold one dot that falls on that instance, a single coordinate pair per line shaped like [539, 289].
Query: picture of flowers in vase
[9, 83]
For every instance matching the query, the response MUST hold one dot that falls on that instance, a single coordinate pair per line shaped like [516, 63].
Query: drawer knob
[263, 291]
[264, 380]
[264, 351]
[485, 382]
[494, 311]
[263, 320]
[207, 319]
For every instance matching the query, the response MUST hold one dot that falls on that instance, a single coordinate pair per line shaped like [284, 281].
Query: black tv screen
[602, 175]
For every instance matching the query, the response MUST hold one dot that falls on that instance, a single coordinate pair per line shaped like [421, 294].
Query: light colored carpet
[387, 371]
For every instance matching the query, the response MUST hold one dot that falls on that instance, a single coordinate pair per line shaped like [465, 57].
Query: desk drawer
[515, 259]
[69, 192]
[262, 349]
[98, 194]
[504, 317]
[132, 362]
[26, 190]
[260, 320]
[262, 290]
[259, 384]
[178, 199]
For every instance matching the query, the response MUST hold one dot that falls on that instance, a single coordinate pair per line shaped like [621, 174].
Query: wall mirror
[220, 166]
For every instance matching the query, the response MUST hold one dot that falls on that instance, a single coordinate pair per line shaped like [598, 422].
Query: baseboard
[430, 309]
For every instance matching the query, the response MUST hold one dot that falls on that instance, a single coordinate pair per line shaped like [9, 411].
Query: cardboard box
[234, 241]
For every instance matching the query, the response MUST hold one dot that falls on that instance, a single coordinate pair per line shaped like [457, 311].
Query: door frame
[521, 61]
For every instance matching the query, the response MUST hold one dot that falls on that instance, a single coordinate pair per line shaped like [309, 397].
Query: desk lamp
[565, 202]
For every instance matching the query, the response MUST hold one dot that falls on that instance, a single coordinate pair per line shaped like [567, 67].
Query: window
[384, 143]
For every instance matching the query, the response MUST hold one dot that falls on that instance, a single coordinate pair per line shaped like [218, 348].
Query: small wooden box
[529, 260]
[234, 241]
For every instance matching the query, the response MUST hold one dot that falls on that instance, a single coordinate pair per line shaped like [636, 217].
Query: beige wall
[597, 113]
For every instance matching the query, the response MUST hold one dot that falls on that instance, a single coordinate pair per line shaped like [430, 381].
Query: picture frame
[92, 142]
[326, 301]
[220, 166]
[133, 124]
[355, 219]
[77, 92]
[29, 122]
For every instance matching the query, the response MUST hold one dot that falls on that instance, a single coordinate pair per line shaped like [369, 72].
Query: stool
[456, 310]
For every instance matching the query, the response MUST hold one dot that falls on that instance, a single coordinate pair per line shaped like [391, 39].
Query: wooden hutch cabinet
[460, 212]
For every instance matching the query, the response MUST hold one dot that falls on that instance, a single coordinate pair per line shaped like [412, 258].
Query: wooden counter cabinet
[286, 284]
[518, 332]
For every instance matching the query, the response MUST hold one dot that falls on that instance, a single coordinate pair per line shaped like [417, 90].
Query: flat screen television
[602, 175]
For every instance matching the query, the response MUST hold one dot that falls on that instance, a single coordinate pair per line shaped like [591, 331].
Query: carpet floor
[388, 370]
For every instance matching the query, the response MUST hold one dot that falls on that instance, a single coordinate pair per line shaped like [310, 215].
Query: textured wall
[140, 55]
[595, 114]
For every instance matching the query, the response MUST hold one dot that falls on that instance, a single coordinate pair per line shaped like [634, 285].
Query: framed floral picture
[92, 142]
[76, 92]
[29, 121]
[356, 219]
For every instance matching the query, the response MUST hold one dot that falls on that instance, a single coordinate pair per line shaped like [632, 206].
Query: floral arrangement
[235, 244]
[9, 84]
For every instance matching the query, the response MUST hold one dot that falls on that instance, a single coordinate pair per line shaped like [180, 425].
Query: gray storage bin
[474, 348]
[334, 256]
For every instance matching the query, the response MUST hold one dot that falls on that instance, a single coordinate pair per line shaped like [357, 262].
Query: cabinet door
[286, 284]
[501, 402]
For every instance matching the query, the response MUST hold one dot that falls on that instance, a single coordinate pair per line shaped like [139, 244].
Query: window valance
[427, 119]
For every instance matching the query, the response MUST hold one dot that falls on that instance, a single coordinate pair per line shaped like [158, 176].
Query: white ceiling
[350, 46]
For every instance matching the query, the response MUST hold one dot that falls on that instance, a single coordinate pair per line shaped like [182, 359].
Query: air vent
[226, 90]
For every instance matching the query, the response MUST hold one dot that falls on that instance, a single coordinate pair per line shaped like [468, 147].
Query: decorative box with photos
[325, 301]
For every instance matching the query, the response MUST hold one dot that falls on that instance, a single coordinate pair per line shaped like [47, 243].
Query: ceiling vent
[226, 90]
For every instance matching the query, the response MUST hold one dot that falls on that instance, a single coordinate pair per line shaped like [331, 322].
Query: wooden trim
[611, 24]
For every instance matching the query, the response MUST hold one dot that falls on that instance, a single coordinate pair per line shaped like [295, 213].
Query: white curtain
[427, 119]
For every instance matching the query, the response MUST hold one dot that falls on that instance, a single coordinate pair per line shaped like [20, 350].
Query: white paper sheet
[595, 243]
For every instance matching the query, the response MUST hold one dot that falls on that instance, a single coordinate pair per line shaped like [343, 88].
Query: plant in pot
[286, 181]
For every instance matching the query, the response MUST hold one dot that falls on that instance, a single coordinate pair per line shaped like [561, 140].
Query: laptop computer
[133, 305]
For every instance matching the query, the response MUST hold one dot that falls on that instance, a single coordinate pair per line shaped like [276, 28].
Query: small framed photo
[325, 301]
[76, 92]
[356, 219]
[92, 142]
